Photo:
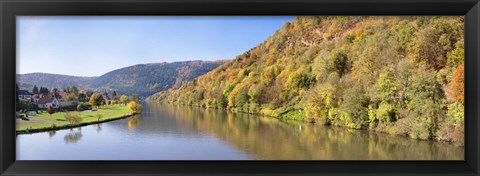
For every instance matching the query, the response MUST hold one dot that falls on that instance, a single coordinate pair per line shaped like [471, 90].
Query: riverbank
[44, 122]
[402, 127]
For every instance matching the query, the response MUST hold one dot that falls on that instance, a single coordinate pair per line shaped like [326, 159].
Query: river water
[170, 132]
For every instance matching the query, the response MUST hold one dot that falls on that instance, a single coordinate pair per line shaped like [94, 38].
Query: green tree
[35, 89]
[341, 63]
[55, 93]
[97, 99]
[72, 90]
[124, 99]
[386, 85]
[135, 98]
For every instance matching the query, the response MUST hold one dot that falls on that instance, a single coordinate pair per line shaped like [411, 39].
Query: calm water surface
[169, 132]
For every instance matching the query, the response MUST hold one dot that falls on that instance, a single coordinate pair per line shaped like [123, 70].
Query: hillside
[146, 79]
[27, 81]
[399, 75]
[143, 79]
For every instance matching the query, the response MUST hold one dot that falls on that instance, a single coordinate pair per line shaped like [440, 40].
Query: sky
[95, 45]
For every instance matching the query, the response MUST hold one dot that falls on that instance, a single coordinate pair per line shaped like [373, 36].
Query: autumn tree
[50, 110]
[73, 117]
[97, 99]
[135, 107]
[457, 86]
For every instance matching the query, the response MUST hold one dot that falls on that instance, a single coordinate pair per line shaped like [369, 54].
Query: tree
[35, 89]
[96, 99]
[72, 90]
[44, 90]
[114, 94]
[124, 99]
[99, 117]
[89, 93]
[73, 117]
[135, 107]
[457, 85]
[135, 98]
[341, 63]
[386, 85]
[55, 93]
[80, 107]
[82, 97]
[50, 110]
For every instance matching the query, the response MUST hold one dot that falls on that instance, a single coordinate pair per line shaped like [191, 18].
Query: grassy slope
[43, 121]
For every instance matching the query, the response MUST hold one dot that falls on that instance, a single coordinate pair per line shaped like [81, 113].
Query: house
[47, 101]
[65, 103]
[36, 97]
[24, 95]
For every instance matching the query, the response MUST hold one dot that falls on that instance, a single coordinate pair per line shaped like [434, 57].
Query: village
[43, 109]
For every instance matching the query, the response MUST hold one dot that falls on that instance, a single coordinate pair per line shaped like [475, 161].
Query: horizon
[67, 45]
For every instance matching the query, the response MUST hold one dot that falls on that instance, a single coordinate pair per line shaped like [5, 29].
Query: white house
[47, 101]
[24, 95]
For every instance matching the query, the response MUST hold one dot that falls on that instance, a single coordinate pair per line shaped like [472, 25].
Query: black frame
[10, 8]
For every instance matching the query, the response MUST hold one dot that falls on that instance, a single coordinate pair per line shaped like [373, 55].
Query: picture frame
[12, 8]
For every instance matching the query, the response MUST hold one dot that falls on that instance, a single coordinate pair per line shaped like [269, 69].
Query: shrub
[73, 117]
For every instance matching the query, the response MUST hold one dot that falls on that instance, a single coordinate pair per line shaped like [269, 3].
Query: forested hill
[27, 81]
[146, 79]
[400, 75]
[143, 79]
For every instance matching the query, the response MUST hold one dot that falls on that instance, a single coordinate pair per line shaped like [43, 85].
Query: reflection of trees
[51, 133]
[73, 136]
[133, 122]
[270, 138]
[99, 127]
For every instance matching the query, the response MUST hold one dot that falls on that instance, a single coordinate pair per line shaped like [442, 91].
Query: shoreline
[50, 128]
[331, 125]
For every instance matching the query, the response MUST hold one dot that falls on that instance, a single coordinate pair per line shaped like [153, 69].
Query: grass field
[44, 122]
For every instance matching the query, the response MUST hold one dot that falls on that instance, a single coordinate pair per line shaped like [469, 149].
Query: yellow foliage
[135, 107]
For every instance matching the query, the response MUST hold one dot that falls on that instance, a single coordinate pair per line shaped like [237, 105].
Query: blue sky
[93, 45]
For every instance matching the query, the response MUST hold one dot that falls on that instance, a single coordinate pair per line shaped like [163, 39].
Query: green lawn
[43, 121]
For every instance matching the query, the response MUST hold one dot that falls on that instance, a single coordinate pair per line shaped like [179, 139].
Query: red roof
[45, 99]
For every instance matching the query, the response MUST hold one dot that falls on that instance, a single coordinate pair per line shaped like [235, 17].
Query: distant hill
[27, 81]
[146, 79]
[142, 79]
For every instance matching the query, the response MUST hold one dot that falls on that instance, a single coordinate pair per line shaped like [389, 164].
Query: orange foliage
[457, 85]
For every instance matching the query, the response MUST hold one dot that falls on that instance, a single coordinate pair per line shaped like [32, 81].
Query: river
[170, 132]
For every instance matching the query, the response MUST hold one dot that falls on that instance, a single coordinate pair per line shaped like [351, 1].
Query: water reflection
[133, 122]
[51, 133]
[270, 138]
[73, 136]
[99, 127]
[169, 132]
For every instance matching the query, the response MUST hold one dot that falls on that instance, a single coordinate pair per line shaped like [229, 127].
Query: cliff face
[391, 74]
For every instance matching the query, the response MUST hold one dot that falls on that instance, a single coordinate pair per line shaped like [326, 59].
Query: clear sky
[94, 45]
